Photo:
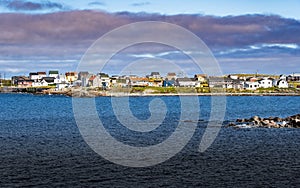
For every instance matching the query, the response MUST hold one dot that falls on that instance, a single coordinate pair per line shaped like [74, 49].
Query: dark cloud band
[29, 6]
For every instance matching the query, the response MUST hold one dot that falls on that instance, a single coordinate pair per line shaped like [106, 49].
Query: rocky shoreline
[270, 122]
[85, 93]
[115, 92]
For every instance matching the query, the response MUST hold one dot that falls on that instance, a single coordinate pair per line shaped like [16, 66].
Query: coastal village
[154, 82]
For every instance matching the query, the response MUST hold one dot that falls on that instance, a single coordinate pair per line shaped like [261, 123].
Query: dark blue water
[41, 146]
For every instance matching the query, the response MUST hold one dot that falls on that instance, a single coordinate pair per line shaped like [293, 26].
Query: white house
[185, 82]
[154, 75]
[251, 85]
[95, 81]
[282, 83]
[60, 79]
[41, 75]
[234, 77]
[34, 76]
[105, 81]
[139, 81]
[265, 83]
[171, 76]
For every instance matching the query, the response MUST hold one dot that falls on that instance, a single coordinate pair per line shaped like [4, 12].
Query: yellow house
[201, 77]
[294, 85]
[71, 76]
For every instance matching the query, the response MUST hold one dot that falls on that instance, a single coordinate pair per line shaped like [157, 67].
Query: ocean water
[41, 145]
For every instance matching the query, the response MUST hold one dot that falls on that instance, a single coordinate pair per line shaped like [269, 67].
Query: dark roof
[220, 79]
[101, 74]
[20, 78]
[216, 79]
[278, 81]
[83, 73]
[49, 79]
[41, 73]
[237, 81]
[33, 73]
[70, 73]
[154, 73]
[185, 79]
[53, 72]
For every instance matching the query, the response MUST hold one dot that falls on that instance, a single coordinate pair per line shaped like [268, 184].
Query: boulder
[295, 123]
[240, 120]
[255, 118]
[257, 122]
[278, 119]
[231, 124]
[271, 122]
[265, 122]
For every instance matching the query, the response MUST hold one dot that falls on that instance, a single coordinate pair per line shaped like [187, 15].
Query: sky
[245, 36]
[286, 8]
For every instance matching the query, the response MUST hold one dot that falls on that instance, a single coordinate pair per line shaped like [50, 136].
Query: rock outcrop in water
[270, 122]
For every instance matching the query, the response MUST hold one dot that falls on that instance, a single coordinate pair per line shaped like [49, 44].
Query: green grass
[151, 89]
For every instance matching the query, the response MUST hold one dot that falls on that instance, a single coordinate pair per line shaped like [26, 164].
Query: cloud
[29, 6]
[266, 65]
[216, 32]
[67, 35]
[260, 49]
[140, 4]
[289, 46]
[143, 55]
[156, 55]
[97, 3]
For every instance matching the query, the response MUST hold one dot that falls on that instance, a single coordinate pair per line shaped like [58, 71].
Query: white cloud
[162, 54]
[259, 47]
[290, 46]
[143, 55]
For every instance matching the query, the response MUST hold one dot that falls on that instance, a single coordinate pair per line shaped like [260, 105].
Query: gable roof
[201, 75]
[49, 79]
[53, 72]
[278, 81]
[70, 73]
[33, 73]
[83, 73]
[155, 74]
[185, 79]
[92, 78]
[171, 74]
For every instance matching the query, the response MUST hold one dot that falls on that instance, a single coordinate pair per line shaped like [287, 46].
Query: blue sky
[285, 8]
[51, 34]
